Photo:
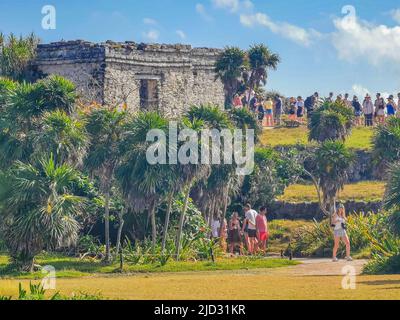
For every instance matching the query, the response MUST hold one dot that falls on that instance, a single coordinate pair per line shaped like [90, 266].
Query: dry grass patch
[362, 191]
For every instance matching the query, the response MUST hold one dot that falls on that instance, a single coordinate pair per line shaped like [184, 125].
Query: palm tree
[229, 68]
[62, 135]
[106, 128]
[40, 209]
[332, 121]
[386, 143]
[332, 161]
[144, 184]
[261, 60]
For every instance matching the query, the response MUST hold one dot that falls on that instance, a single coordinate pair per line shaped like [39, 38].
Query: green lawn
[361, 137]
[68, 267]
[363, 191]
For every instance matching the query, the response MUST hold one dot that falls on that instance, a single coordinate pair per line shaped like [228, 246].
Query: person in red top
[262, 229]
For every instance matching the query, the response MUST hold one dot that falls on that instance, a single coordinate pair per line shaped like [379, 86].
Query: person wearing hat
[340, 232]
[368, 109]
[391, 106]
[357, 110]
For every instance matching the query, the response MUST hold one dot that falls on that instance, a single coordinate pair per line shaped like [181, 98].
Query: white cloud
[201, 10]
[297, 34]
[359, 90]
[355, 39]
[395, 15]
[181, 34]
[151, 35]
[231, 5]
[150, 21]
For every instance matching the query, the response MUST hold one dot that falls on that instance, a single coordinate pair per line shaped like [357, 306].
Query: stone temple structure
[165, 78]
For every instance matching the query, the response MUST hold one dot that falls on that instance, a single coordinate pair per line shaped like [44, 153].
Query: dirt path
[321, 267]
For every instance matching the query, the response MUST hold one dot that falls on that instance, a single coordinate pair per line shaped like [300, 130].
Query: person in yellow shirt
[269, 114]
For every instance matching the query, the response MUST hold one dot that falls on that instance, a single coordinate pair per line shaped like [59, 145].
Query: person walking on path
[340, 233]
[368, 109]
[262, 230]
[234, 234]
[292, 109]
[251, 216]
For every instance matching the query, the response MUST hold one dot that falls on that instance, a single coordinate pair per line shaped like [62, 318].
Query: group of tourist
[269, 111]
[252, 233]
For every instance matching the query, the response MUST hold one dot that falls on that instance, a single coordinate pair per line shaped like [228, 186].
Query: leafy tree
[106, 129]
[40, 209]
[229, 68]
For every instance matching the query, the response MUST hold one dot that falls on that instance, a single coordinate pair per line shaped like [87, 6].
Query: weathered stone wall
[311, 210]
[79, 61]
[184, 75]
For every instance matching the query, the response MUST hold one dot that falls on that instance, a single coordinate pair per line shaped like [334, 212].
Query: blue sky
[321, 48]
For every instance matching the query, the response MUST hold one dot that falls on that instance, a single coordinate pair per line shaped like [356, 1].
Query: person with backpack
[309, 105]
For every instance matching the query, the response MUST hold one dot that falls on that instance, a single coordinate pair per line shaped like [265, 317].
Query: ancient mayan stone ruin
[166, 78]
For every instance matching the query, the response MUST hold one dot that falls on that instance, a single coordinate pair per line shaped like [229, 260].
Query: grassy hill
[361, 137]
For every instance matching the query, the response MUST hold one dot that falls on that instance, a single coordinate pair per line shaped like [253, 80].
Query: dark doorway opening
[149, 94]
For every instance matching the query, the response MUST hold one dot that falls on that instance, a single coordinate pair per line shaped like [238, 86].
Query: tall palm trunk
[120, 227]
[107, 225]
[181, 221]
[166, 223]
[153, 225]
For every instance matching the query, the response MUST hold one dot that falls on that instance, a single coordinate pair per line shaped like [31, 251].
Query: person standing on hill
[368, 109]
[300, 109]
[292, 109]
[391, 106]
[357, 111]
[330, 98]
[380, 108]
[278, 110]
[339, 229]
[269, 113]
[347, 101]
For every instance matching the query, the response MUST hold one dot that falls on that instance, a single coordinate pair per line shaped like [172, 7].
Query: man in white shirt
[251, 216]
[215, 227]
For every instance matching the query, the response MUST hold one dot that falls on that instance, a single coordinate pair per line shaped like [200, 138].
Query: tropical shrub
[386, 142]
[331, 121]
[317, 239]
